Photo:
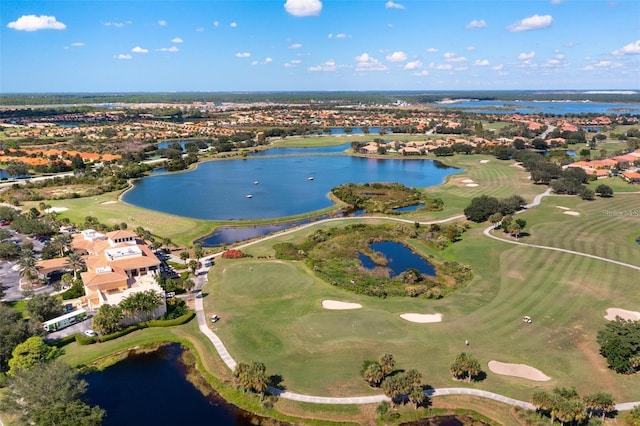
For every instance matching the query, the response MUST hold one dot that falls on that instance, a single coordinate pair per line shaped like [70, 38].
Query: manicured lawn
[109, 210]
[272, 312]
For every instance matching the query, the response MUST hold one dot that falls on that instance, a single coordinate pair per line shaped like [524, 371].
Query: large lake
[277, 186]
[544, 107]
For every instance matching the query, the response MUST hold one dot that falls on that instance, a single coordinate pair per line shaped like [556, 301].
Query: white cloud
[432, 50]
[471, 48]
[36, 23]
[122, 56]
[303, 7]
[243, 54]
[526, 56]
[327, 66]
[340, 35]
[168, 49]
[498, 67]
[117, 24]
[554, 2]
[442, 67]
[535, 22]
[200, 29]
[452, 57]
[461, 68]
[368, 63]
[413, 65]
[268, 60]
[216, 23]
[295, 46]
[422, 73]
[78, 44]
[603, 64]
[292, 63]
[482, 63]
[162, 22]
[476, 23]
[233, 24]
[139, 49]
[399, 56]
[629, 49]
[393, 5]
[177, 40]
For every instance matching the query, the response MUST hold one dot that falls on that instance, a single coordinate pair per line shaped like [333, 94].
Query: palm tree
[61, 243]
[27, 263]
[387, 363]
[75, 263]
[417, 396]
[373, 374]
[465, 366]
[599, 401]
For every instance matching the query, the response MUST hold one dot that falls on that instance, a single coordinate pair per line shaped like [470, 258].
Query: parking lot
[10, 271]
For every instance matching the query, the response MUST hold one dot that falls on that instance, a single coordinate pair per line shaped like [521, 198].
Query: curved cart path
[203, 324]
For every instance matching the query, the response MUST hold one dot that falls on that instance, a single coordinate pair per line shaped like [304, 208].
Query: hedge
[86, 340]
[153, 323]
[170, 323]
[64, 341]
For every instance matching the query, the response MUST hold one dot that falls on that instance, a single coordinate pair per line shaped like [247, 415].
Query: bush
[76, 290]
[64, 341]
[120, 333]
[85, 340]
[171, 322]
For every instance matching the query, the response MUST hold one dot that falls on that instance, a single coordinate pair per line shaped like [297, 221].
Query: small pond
[408, 208]
[151, 389]
[399, 258]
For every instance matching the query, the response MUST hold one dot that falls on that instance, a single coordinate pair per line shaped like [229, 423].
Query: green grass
[111, 211]
[272, 311]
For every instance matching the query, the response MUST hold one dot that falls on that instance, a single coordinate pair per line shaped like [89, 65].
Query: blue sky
[265, 45]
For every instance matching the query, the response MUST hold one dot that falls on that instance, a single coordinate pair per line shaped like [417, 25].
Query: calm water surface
[545, 107]
[266, 188]
[399, 258]
[151, 389]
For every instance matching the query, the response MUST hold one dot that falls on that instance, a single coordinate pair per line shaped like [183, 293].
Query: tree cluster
[251, 377]
[620, 344]
[466, 367]
[566, 405]
[482, 207]
[397, 385]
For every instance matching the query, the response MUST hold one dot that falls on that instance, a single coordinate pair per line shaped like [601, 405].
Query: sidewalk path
[203, 324]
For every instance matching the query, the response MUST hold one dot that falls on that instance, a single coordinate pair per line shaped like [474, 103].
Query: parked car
[90, 333]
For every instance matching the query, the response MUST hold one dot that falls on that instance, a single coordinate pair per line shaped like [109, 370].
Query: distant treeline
[337, 98]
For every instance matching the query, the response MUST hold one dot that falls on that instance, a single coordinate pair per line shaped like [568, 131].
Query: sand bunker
[335, 305]
[467, 181]
[484, 161]
[571, 213]
[56, 209]
[518, 370]
[472, 185]
[563, 208]
[109, 202]
[422, 318]
[612, 313]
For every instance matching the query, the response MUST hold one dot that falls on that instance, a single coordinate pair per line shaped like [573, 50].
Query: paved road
[203, 324]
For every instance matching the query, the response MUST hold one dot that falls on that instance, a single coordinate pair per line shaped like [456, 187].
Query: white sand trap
[56, 209]
[563, 207]
[518, 370]
[109, 202]
[612, 313]
[484, 161]
[571, 213]
[422, 318]
[472, 185]
[467, 181]
[335, 305]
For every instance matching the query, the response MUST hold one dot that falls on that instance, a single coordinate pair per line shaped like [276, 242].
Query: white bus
[65, 320]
